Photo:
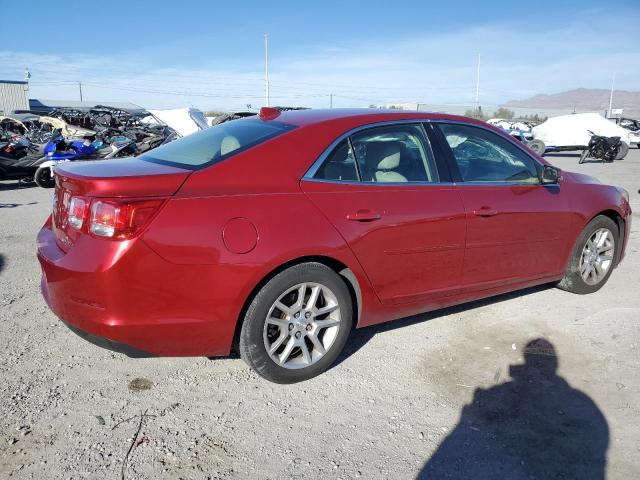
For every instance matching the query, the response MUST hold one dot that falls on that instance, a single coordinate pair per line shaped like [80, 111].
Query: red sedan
[278, 234]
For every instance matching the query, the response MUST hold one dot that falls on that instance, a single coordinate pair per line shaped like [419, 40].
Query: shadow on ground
[14, 205]
[569, 155]
[359, 338]
[2, 263]
[15, 185]
[534, 427]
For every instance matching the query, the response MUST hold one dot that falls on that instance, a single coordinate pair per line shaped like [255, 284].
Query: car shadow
[14, 205]
[2, 262]
[535, 426]
[359, 337]
[568, 155]
[16, 185]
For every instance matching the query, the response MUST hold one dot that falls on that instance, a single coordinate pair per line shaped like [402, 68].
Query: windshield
[209, 146]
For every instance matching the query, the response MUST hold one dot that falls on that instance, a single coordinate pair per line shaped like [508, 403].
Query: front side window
[394, 154]
[483, 156]
[209, 146]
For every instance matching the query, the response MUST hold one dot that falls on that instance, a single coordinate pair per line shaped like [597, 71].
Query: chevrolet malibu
[276, 235]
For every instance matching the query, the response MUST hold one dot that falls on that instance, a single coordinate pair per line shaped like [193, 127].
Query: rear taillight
[77, 212]
[113, 218]
[121, 218]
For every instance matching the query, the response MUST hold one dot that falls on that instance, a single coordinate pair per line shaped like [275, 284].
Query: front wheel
[584, 155]
[44, 177]
[297, 324]
[593, 257]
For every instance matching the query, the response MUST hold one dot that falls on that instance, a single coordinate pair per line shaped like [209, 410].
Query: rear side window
[484, 156]
[394, 154]
[340, 165]
[214, 144]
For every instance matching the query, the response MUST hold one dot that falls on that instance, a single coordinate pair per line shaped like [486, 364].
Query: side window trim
[443, 172]
[453, 165]
[355, 160]
[440, 154]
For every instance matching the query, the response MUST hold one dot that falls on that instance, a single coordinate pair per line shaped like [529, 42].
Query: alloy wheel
[597, 256]
[302, 325]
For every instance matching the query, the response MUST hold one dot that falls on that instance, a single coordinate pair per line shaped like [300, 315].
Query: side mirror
[550, 175]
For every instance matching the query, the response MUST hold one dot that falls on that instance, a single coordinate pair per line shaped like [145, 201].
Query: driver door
[517, 228]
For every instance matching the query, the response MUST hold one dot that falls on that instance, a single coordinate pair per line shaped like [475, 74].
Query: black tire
[572, 280]
[584, 155]
[537, 146]
[252, 341]
[622, 152]
[44, 177]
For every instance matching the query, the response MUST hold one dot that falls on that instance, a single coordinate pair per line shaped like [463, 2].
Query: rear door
[396, 208]
[517, 228]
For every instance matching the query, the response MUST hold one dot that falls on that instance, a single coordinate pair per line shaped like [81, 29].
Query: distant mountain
[584, 99]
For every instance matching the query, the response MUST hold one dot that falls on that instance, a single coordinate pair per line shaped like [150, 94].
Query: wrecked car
[572, 132]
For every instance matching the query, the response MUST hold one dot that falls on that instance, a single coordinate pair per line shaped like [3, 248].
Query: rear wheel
[44, 177]
[593, 257]
[297, 324]
[584, 155]
[622, 152]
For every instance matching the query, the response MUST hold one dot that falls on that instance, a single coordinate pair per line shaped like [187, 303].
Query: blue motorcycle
[59, 149]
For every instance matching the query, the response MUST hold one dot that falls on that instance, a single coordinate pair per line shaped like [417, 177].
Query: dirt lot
[382, 412]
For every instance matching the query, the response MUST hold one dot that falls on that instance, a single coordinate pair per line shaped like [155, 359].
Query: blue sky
[210, 54]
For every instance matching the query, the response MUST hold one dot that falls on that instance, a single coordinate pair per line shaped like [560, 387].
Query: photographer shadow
[534, 427]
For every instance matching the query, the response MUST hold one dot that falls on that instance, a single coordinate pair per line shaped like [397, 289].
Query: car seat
[381, 162]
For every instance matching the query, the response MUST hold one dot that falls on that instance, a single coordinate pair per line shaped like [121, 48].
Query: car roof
[362, 116]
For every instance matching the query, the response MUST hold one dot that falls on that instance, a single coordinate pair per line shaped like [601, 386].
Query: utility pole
[613, 81]
[27, 76]
[266, 68]
[80, 88]
[478, 85]
[331, 100]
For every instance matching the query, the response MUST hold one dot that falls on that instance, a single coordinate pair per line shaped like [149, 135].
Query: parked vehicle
[571, 132]
[19, 157]
[520, 130]
[185, 121]
[32, 145]
[633, 126]
[278, 234]
[603, 148]
[59, 149]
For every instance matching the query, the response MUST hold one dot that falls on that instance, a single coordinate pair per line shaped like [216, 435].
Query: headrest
[228, 145]
[383, 155]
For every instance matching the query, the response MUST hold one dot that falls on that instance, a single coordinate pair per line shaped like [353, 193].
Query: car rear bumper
[124, 297]
[112, 345]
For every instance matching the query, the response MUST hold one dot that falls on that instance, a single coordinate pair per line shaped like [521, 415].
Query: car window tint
[484, 156]
[216, 143]
[394, 154]
[340, 165]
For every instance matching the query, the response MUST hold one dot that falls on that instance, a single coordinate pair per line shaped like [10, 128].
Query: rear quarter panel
[190, 231]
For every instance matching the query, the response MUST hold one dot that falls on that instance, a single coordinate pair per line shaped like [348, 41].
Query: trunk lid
[115, 178]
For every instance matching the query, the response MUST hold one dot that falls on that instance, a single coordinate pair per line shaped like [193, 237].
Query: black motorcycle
[603, 148]
[19, 157]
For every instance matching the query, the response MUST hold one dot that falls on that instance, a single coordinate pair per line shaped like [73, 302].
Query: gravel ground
[69, 409]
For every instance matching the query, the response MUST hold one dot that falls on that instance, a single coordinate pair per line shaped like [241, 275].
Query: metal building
[13, 96]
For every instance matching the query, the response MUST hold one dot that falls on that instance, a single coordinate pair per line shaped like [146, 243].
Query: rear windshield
[209, 146]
